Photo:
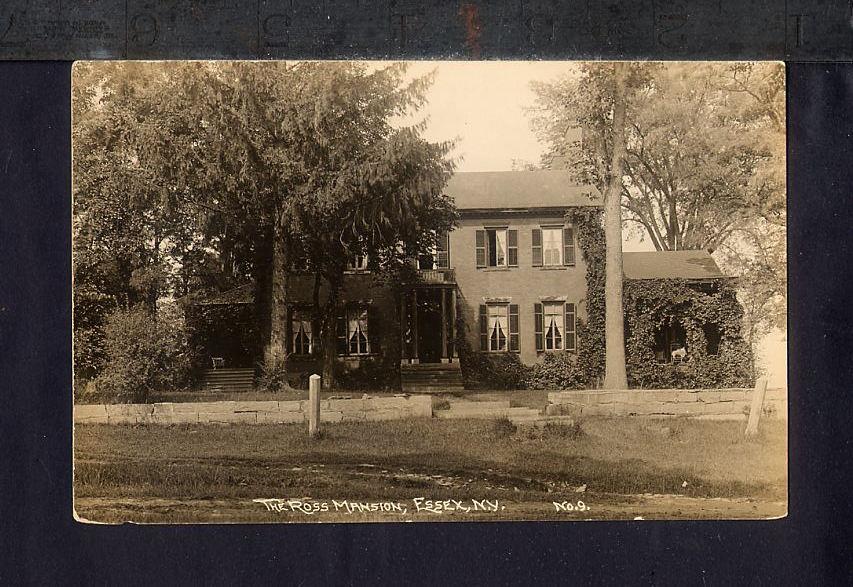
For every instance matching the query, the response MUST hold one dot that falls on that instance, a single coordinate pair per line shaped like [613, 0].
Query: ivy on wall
[654, 304]
[657, 304]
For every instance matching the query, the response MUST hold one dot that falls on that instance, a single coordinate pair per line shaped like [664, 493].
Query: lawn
[619, 467]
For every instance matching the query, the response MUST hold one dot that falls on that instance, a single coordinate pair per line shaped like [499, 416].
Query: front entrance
[429, 317]
[427, 325]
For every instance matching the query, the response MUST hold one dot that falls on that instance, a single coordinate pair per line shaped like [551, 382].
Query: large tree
[704, 162]
[240, 168]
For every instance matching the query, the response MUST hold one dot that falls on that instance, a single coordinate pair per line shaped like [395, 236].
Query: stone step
[434, 389]
[491, 413]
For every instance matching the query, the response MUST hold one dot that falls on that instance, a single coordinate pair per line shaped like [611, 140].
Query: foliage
[558, 370]
[145, 352]
[273, 375]
[493, 370]
[660, 303]
[705, 162]
[223, 330]
[370, 373]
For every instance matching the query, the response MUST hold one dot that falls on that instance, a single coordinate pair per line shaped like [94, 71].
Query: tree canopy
[704, 165]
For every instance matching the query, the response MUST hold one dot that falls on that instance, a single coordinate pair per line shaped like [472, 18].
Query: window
[553, 246]
[440, 257]
[497, 247]
[670, 344]
[303, 336]
[712, 338]
[554, 324]
[358, 263]
[555, 327]
[499, 327]
[357, 343]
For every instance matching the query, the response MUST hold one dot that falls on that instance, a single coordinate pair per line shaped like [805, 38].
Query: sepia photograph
[368, 291]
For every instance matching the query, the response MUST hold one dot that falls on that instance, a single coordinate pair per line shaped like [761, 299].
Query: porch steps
[486, 410]
[228, 380]
[431, 378]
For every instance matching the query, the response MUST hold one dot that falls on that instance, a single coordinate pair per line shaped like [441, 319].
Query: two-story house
[509, 278]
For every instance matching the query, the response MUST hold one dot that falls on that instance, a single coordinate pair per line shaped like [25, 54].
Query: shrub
[557, 371]
[503, 428]
[494, 370]
[273, 375]
[370, 373]
[145, 351]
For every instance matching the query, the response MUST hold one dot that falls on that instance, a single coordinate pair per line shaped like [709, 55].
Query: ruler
[467, 29]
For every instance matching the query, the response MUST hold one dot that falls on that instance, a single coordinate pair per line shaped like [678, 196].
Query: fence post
[313, 405]
[755, 408]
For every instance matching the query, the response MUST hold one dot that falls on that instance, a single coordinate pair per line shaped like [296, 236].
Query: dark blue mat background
[41, 543]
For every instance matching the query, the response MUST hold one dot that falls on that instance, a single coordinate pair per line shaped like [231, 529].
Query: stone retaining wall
[256, 412]
[716, 404]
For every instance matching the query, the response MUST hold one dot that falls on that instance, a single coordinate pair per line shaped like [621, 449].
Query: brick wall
[256, 412]
[698, 403]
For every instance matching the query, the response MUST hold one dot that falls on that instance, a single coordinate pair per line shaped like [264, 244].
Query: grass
[441, 458]
[214, 396]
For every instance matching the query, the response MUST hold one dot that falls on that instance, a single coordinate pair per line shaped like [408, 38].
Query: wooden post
[415, 356]
[313, 405]
[453, 334]
[755, 408]
[445, 356]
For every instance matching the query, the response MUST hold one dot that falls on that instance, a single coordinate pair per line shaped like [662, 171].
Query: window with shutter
[357, 331]
[568, 246]
[539, 330]
[442, 252]
[484, 328]
[537, 247]
[571, 328]
[481, 248]
[513, 328]
[498, 327]
[555, 325]
[341, 334]
[512, 248]
[552, 246]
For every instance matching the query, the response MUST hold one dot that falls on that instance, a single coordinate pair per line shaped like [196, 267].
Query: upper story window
[553, 246]
[440, 257]
[497, 247]
[358, 263]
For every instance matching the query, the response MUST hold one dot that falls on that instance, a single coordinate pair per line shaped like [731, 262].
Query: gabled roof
[670, 265]
[502, 190]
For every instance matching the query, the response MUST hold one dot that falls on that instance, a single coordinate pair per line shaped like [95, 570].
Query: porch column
[453, 334]
[404, 326]
[415, 358]
[445, 358]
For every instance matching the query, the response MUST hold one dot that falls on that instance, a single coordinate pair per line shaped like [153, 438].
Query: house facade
[510, 278]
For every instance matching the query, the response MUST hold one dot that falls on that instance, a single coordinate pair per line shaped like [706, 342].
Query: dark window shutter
[537, 247]
[513, 328]
[568, 246]
[569, 329]
[512, 247]
[341, 328]
[374, 330]
[484, 328]
[481, 248]
[442, 252]
[539, 326]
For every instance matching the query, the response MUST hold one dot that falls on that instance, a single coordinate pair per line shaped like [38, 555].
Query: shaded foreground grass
[441, 459]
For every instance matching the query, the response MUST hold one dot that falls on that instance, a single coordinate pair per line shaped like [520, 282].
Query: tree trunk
[277, 348]
[615, 376]
[330, 322]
